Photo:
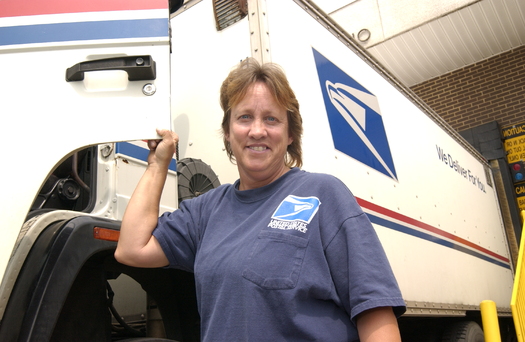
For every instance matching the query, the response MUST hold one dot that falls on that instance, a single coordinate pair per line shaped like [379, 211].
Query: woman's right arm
[137, 246]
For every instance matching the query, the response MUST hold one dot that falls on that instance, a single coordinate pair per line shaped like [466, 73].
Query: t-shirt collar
[254, 195]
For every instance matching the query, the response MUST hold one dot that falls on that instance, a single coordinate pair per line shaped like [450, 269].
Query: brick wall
[493, 89]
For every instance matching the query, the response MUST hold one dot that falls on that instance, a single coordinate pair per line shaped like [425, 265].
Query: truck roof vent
[195, 178]
[228, 12]
[175, 5]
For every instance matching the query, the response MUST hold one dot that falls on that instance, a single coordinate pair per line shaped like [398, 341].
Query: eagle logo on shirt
[295, 212]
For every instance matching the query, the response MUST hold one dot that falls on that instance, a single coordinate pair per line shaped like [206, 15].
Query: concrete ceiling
[421, 39]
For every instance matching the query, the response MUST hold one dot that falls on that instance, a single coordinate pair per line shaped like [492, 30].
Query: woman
[282, 254]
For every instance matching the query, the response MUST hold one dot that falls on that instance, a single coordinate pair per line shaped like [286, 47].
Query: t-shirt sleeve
[178, 235]
[360, 269]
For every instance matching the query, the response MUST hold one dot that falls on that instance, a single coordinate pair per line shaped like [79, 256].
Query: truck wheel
[195, 178]
[466, 331]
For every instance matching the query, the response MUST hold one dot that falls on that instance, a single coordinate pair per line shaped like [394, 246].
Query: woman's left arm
[378, 325]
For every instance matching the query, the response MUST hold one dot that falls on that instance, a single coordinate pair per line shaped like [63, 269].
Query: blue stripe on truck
[435, 239]
[139, 153]
[88, 30]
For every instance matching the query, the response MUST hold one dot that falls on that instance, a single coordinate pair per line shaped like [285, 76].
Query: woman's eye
[244, 117]
[271, 119]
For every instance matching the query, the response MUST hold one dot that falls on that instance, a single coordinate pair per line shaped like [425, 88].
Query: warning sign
[514, 142]
[520, 195]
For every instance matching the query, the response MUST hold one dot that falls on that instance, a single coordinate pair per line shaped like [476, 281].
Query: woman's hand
[162, 150]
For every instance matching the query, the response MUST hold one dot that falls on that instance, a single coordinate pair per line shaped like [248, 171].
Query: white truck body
[430, 196]
[438, 217]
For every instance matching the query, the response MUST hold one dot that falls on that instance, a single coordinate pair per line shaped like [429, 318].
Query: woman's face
[259, 137]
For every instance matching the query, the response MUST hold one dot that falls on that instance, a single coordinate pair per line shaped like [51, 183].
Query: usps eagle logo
[294, 208]
[355, 118]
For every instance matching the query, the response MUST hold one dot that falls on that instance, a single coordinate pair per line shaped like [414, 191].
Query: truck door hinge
[259, 33]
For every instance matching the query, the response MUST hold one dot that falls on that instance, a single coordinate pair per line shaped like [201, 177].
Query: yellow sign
[514, 138]
[520, 195]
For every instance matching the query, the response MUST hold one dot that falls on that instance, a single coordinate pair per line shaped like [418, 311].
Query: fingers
[152, 144]
[162, 150]
[168, 136]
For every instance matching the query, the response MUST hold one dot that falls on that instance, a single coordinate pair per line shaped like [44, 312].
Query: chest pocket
[275, 261]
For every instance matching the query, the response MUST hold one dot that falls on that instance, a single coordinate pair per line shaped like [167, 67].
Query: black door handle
[138, 67]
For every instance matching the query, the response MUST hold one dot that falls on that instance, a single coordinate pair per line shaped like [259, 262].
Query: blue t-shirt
[295, 260]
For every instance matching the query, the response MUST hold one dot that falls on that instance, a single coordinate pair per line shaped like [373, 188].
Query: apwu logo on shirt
[295, 213]
[355, 118]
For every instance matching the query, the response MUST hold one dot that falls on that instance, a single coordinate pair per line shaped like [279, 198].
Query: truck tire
[466, 331]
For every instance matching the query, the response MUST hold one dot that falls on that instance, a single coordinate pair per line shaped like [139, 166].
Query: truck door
[74, 74]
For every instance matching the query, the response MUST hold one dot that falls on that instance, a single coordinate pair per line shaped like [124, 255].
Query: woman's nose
[257, 129]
